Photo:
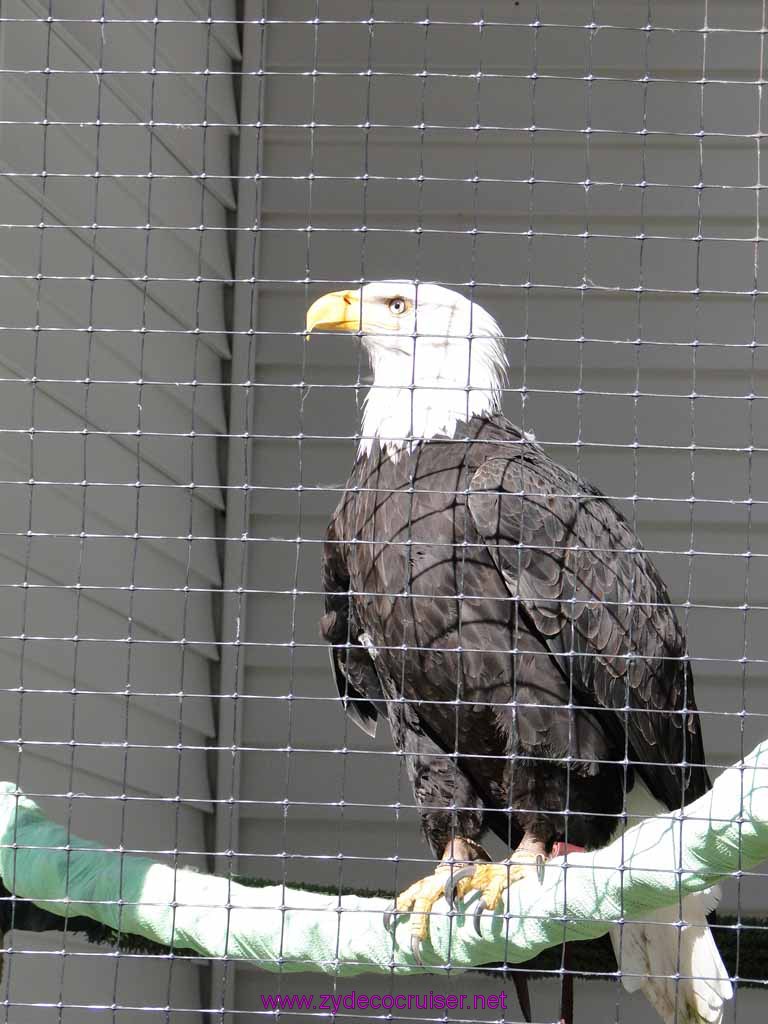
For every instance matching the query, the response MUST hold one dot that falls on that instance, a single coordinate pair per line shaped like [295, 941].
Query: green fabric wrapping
[281, 929]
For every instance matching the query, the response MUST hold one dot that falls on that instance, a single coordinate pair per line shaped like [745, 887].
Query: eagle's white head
[437, 358]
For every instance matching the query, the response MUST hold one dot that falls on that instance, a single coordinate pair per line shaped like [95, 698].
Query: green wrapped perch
[277, 928]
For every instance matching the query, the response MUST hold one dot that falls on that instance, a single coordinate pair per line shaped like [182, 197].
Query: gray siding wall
[98, 689]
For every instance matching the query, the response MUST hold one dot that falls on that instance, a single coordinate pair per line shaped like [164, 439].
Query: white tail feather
[678, 968]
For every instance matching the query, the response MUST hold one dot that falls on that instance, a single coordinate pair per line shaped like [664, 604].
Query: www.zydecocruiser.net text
[358, 1001]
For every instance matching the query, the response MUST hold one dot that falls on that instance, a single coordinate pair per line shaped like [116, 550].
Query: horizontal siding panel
[225, 27]
[121, 197]
[97, 978]
[110, 570]
[720, 475]
[99, 773]
[171, 301]
[669, 322]
[162, 352]
[120, 416]
[547, 42]
[597, 284]
[96, 813]
[92, 730]
[479, 214]
[134, 374]
[202, 319]
[166, 681]
[132, 97]
[564, 159]
[52, 607]
[561, 404]
[722, 326]
[164, 459]
[183, 46]
[664, 374]
[454, 144]
[115, 561]
[163, 683]
[104, 512]
[320, 781]
[678, 14]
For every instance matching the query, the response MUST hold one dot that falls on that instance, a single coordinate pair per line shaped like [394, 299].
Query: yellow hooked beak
[336, 311]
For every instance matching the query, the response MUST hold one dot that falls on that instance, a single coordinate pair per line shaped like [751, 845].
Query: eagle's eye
[398, 305]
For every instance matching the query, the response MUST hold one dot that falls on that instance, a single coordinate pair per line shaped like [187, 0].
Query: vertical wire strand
[636, 443]
[528, 299]
[132, 590]
[752, 438]
[236, 518]
[693, 451]
[185, 616]
[462, 483]
[137, 519]
[31, 476]
[85, 478]
[350, 639]
[301, 393]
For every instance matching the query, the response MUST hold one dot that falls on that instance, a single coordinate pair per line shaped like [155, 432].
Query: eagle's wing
[589, 592]
[352, 660]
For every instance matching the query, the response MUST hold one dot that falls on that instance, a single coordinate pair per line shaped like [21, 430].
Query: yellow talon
[419, 899]
[490, 880]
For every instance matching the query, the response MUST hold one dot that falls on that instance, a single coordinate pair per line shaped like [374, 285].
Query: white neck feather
[413, 400]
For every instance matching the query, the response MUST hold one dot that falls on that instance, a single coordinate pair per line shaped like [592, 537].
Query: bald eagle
[504, 618]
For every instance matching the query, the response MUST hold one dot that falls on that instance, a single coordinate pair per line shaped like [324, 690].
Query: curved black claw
[479, 910]
[540, 869]
[416, 949]
[390, 916]
[452, 881]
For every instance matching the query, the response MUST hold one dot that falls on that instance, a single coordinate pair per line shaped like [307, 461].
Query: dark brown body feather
[526, 653]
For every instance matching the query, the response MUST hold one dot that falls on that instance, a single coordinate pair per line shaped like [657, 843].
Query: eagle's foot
[490, 880]
[450, 881]
[419, 901]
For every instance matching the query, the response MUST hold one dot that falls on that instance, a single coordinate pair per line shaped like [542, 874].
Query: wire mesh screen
[180, 181]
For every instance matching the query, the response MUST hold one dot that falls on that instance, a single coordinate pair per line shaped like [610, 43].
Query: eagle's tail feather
[679, 970]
